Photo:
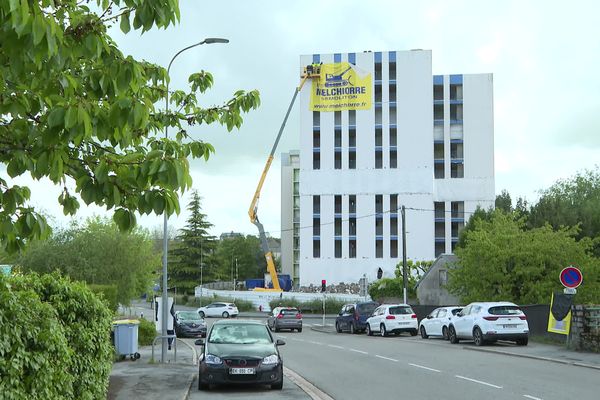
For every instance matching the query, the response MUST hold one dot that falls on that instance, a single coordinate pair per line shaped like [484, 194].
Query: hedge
[85, 323]
[146, 332]
[332, 306]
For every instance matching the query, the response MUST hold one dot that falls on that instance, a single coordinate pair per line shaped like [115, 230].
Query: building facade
[427, 144]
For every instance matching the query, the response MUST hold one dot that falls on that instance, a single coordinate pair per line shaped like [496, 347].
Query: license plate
[509, 326]
[241, 371]
[403, 323]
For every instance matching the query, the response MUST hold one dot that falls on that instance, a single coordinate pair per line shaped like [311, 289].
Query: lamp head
[215, 40]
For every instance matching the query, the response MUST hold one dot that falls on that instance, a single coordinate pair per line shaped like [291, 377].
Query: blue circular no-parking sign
[571, 277]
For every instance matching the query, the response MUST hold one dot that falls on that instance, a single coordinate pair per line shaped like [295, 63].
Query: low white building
[427, 143]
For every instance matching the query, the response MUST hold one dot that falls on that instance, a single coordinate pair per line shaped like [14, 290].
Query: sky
[544, 55]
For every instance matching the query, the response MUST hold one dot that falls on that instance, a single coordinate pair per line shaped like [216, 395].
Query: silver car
[285, 318]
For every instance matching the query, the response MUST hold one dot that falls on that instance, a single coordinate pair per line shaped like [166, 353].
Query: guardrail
[176, 339]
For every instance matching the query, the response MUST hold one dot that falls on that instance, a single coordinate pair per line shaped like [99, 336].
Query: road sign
[571, 277]
[569, 290]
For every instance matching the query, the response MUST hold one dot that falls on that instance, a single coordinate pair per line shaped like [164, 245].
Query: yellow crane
[310, 72]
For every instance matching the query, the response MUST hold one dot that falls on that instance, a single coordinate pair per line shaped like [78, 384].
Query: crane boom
[312, 72]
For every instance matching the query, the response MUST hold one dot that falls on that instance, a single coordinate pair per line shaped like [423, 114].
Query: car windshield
[367, 308]
[400, 310]
[239, 334]
[505, 310]
[189, 316]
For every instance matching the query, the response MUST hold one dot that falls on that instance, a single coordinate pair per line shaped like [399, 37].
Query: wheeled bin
[126, 338]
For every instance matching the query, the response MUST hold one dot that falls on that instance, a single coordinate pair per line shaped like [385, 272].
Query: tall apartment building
[427, 143]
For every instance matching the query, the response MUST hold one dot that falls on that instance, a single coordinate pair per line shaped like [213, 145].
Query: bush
[34, 347]
[146, 332]
[242, 305]
[108, 293]
[86, 322]
[332, 306]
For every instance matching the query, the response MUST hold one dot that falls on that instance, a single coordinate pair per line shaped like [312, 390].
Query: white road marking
[531, 397]
[283, 337]
[310, 341]
[335, 347]
[358, 351]
[385, 358]
[476, 381]
[298, 340]
[427, 368]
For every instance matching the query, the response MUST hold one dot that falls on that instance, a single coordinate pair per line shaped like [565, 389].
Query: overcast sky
[544, 55]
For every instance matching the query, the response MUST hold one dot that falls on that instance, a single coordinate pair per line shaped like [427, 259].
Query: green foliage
[34, 347]
[502, 261]
[98, 253]
[503, 201]
[146, 332]
[242, 305]
[74, 108]
[251, 261]
[107, 293]
[193, 245]
[394, 287]
[79, 319]
[332, 306]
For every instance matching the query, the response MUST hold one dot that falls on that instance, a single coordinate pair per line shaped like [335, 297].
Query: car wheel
[201, 385]
[414, 332]
[279, 384]
[225, 314]
[299, 330]
[522, 342]
[276, 328]
[445, 333]
[452, 335]
[478, 337]
[352, 330]
[369, 331]
[382, 330]
[201, 314]
[337, 328]
[424, 334]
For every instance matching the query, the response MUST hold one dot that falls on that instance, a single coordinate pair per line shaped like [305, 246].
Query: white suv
[488, 322]
[218, 309]
[392, 318]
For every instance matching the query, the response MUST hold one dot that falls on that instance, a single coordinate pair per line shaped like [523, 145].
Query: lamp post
[165, 298]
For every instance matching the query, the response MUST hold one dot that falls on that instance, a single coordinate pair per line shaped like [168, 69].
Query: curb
[186, 395]
[507, 353]
[322, 329]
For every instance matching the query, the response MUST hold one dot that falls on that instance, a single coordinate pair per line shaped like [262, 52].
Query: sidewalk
[539, 351]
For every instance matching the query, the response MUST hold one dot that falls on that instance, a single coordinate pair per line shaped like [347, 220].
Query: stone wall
[585, 328]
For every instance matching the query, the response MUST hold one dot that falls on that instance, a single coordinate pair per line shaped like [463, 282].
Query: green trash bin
[126, 338]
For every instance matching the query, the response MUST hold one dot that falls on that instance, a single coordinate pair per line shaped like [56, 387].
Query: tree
[250, 258]
[503, 201]
[75, 110]
[97, 253]
[479, 215]
[394, 287]
[192, 246]
[503, 261]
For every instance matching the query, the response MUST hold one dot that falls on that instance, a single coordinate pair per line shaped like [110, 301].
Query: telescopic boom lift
[310, 72]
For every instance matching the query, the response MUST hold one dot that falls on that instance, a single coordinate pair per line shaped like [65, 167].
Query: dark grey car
[189, 324]
[240, 352]
[285, 318]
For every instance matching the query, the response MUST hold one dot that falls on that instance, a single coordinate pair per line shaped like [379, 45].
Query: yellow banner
[563, 327]
[341, 86]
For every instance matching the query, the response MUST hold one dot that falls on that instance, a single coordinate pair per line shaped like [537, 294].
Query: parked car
[285, 318]
[353, 317]
[240, 351]
[488, 322]
[218, 309]
[436, 323]
[392, 318]
[189, 324]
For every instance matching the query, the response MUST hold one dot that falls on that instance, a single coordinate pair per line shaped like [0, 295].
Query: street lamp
[165, 298]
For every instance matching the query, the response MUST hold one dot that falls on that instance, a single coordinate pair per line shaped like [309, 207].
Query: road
[357, 366]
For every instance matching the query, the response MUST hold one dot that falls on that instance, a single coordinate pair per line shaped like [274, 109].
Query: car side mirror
[459, 314]
[199, 342]
[340, 314]
[279, 342]
[429, 317]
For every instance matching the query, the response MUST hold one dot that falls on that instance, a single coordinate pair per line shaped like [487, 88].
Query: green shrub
[108, 293]
[242, 305]
[184, 299]
[86, 321]
[332, 306]
[33, 346]
[146, 332]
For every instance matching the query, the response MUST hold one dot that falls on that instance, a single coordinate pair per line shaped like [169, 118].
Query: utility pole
[236, 274]
[201, 273]
[404, 272]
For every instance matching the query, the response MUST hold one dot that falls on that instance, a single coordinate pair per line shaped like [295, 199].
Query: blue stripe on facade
[456, 79]
[316, 58]
[392, 56]
[337, 57]
[352, 58]
[438, 79]
[378, 56]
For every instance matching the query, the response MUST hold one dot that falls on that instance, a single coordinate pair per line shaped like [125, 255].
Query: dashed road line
[476, 381]
[385, 358]
[358, 351]
[313, 342]
[423, 367]
[531, 397]
[335, 346]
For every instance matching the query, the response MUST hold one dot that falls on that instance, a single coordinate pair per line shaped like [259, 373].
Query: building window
[378, 248]
[379, 226]
[337, 205]
[393, 148]
[316, 148]
[316, 139]
[317, 227]
[316, 248]
[440, 227]
[338, 248]
[456, 113]
[352, 248]
[337, 148]
[338, 227]
[378, 148]
[337, 119]
[316, 160]
[456, 92]
[438, 159]
[438, 92]
[440, 248]
[316, 205]
[378, 75]
[337, 232]
[457, 170]
[394, 248]
[438, 112]
[377, 93]
[352, 204]
[352, 226]
[352, 160]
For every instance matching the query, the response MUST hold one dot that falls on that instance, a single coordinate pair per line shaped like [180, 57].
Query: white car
[392, 318]
[436, 323]
[218, 309]
[488, 322]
